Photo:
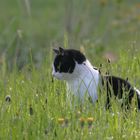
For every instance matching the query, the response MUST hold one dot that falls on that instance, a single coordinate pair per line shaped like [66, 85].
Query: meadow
[33, 105]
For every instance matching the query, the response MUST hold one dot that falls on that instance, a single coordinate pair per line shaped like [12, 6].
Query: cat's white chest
[84, 82]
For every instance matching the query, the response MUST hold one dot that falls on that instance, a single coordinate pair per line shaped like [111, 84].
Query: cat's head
[65, 62]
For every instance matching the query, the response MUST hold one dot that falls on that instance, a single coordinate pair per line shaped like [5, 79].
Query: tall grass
[39, 109]
[35, 106]
[95, 25]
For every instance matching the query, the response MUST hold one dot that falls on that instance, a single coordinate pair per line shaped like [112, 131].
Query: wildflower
[82, 122]
[8, 98]
[61, 121]
[90, 121]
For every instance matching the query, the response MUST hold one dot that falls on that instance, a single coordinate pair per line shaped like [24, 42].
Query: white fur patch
[138, 92]
[82, 82]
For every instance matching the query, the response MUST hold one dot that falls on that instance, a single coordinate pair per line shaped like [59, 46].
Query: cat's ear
[61, 50]
[56, 51]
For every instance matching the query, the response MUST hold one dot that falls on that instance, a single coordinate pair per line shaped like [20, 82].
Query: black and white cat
[82, 78]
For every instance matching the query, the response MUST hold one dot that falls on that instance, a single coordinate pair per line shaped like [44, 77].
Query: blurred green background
[101, 28]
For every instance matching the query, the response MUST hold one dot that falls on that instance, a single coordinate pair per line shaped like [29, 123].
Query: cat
[82, 78]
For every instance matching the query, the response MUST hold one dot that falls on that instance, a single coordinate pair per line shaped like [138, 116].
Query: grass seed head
[31, 110]
[8, 98]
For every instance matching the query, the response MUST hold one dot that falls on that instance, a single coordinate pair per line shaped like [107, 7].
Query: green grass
[37, 103]
[39, 107]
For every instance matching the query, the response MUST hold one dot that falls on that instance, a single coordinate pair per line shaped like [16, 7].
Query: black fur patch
[65, 62]
[118, 86]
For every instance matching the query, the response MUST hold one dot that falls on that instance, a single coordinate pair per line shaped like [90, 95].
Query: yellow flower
[61, 120]
[82, 121]
[90, 119]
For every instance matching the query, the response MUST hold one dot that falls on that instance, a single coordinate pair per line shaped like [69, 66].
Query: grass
[35, 106]
[39, 108]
